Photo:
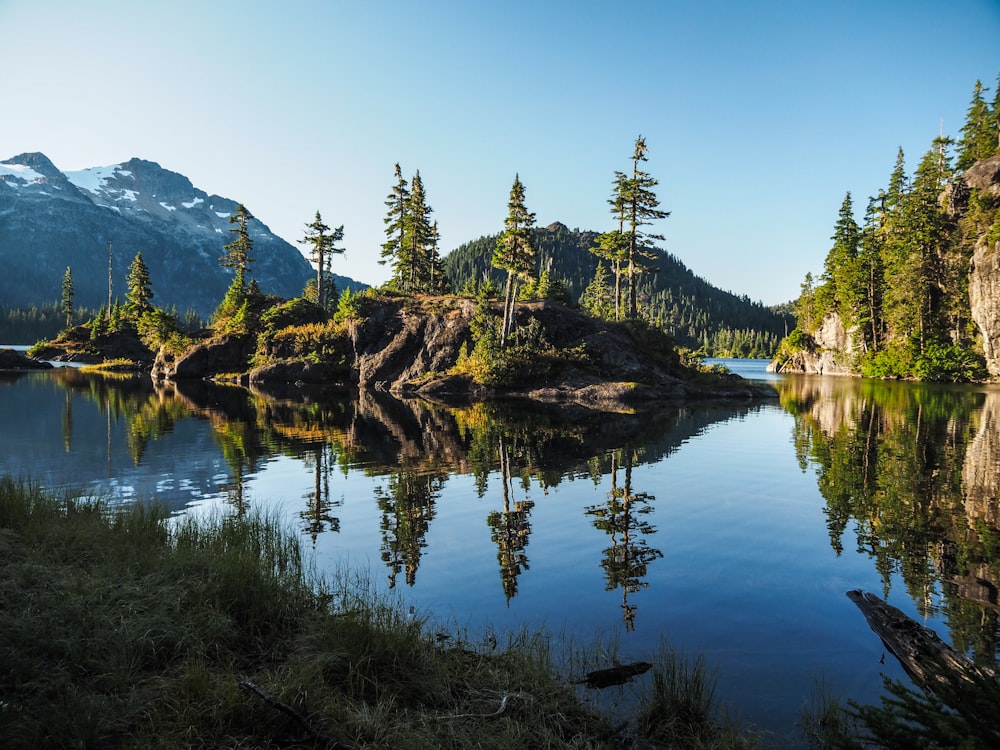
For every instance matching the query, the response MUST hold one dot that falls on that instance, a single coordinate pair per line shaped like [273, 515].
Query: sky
[759, 116]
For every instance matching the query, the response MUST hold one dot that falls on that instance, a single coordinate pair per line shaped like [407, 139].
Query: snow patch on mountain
[17, 175]
[94, 179]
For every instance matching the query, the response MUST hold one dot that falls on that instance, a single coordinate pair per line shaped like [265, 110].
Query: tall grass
[122, 628]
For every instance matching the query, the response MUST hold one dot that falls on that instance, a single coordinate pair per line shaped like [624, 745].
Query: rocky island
[427, 346]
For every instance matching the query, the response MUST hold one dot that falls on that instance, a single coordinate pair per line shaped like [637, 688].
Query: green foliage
[686, 307]
[156, 327]
[318, 342]
[294, 312]
[353, 306]
[528, 357]
[514, 253]
[138, 289]
[411, 244]
[949, 362]
[322, 242]
[28, 325]
[900, 282]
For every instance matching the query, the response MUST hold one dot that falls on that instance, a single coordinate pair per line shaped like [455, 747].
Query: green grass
[122, 628]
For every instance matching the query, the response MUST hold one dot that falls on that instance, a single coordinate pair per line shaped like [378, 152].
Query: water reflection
[909, 475]
[914, 469]
[624, 519]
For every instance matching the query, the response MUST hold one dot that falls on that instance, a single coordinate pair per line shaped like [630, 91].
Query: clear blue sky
[759, 116]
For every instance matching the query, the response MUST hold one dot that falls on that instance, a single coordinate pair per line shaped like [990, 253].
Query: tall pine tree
[641, 209]
[322, 242]
[515, 252]
[138, 289]
[66, 304]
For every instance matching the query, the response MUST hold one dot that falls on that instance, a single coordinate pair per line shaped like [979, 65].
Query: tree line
[899, 279]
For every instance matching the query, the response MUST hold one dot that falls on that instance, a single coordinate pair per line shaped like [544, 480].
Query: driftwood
[286, 709]
[504, 702]
[929, 661]
[616, 675]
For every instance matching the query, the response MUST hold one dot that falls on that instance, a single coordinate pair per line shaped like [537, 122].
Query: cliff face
[984, 276]
[830, 356]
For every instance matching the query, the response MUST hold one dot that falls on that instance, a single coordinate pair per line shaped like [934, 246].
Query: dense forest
[899, 279]
[696, 314]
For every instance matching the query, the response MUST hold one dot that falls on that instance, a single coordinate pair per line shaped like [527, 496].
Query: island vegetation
[906, 292]
[529, 337]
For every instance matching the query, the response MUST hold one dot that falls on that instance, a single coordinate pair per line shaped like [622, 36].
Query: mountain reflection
[916, 469]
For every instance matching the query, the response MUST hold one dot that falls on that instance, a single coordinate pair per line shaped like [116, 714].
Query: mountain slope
[50, 220]
[695, 313]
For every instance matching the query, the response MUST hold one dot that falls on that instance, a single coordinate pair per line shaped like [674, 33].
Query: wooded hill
[696, 314]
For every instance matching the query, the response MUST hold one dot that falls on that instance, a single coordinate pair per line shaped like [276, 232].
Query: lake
[731, 530]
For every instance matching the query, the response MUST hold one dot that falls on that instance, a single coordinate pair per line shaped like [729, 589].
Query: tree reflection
[318, 513]
[510, 529]
[917, 469]
[623, 519]
[407, 506]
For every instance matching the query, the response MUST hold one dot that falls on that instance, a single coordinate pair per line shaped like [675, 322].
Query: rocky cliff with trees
[913, 291]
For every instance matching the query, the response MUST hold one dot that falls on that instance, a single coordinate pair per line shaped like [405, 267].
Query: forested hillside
[907, 291]
[696, 314]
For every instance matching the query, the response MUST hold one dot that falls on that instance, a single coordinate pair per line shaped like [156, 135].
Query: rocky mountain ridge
[51, 220]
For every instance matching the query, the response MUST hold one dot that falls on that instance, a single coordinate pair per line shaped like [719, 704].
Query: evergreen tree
[138, 289]
[598, 298]
[613, 246]
[420, 239]
[323, 246]
[841, 272]
[395, 221]
[515, 252]
[641, 208]
[66, 305]
[238, 254]
[979, 134]
[871, 275]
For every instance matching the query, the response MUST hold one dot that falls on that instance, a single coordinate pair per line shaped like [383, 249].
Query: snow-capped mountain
[51, 220]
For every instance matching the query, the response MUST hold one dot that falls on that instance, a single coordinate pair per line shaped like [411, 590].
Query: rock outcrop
[11, 359]
[409, 346]
[831, 354]
[984, 274]
[228, 355]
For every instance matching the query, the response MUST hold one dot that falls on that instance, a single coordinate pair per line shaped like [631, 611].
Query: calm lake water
[728, 530]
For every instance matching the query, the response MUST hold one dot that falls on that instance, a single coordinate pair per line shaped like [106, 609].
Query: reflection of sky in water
[747, 574]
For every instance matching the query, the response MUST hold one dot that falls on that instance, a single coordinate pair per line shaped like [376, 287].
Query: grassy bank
[121, 629]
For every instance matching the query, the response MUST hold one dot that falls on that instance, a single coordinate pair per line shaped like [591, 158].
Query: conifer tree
[420, 238]
[840, 272]
[919, 232]
[138, 289]
[238, 254]
[323, 246]
[871, 275]
[641, 208]
[613, 246]
[979, 136]
[514, 252]
[66, 304]
[395, 221]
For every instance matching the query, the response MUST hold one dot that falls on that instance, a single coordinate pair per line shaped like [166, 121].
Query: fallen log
[616, 675]
[929, 661]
